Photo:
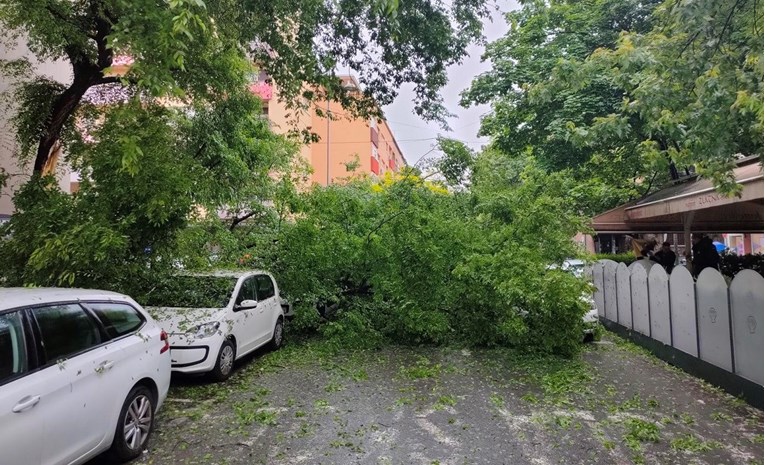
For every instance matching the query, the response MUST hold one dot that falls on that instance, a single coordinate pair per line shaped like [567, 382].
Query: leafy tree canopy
[146, 171]
[693, 88]
[195, 50]
[541, 36]
[628, 94]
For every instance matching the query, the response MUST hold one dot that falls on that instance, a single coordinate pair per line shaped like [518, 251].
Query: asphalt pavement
[615, 404]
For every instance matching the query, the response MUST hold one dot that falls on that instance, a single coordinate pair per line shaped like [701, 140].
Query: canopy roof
[667, 209]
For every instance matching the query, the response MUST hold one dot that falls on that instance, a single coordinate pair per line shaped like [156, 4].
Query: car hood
[179, 320]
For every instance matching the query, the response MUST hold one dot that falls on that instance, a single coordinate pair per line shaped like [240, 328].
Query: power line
[404, 140]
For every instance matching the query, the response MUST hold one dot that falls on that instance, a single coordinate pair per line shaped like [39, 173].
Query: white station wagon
[216, 318]
[81, 372]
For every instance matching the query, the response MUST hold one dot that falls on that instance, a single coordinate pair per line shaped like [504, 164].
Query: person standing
[704, 254]
[642, 248]
[665, 257]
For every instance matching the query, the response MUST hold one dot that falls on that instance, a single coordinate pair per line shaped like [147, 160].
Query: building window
[374, 136]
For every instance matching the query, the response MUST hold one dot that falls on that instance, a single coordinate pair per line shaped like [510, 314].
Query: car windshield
[191, 292]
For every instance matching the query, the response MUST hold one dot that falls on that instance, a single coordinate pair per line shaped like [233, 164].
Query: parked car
[216, 318]
[573, 266]
[576, 266]
[81, 372]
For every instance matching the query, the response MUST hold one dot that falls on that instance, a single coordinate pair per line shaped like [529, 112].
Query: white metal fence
[720, 324]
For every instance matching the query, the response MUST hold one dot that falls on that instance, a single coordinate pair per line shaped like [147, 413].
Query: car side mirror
[245, 304]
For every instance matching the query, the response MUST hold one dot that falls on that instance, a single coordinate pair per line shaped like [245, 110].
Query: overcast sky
[415, 136]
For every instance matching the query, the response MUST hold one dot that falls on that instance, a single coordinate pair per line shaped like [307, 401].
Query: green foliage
[639, 431]
[626, 93]
[731, 264]
[353, 330]
[626, 258]
[144, 172]
[189, 292]
[456, 162]
[691, 443]
[542, 35]
[404, 260]
[197, 51]
[178, 169]
[422, 369]
[691, 88]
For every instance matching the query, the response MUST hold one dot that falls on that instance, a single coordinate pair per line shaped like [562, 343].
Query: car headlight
[205, 329]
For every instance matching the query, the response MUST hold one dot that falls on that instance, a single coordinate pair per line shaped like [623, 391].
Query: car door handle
[105, 365]
[26, 403]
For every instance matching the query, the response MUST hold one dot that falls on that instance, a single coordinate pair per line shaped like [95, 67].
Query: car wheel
[278, 338]
[134, 426]
[224, 365]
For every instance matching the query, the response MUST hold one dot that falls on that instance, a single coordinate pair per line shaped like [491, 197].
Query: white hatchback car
[81, 372]
[216, 318]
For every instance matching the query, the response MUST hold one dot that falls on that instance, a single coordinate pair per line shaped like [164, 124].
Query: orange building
[342, 139]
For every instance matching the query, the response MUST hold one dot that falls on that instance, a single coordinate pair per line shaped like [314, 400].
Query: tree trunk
[86, 75]
[62, 110]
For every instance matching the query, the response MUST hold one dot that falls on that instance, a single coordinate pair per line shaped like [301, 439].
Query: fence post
[648, 294]
[669, 303]
[616, 292]
[730, 332]
[698, 330]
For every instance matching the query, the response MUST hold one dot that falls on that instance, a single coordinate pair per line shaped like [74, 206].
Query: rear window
[65, 330]
[118, 319]
[191, 292]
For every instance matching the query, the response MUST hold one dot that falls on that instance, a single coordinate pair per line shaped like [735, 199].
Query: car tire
[224, 364]
[278, 337]
[134, 425]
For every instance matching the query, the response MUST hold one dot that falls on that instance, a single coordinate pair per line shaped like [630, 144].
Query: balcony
[375, 165]
[263, 90]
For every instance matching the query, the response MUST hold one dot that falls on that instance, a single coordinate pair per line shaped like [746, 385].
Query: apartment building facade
[344, 141]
